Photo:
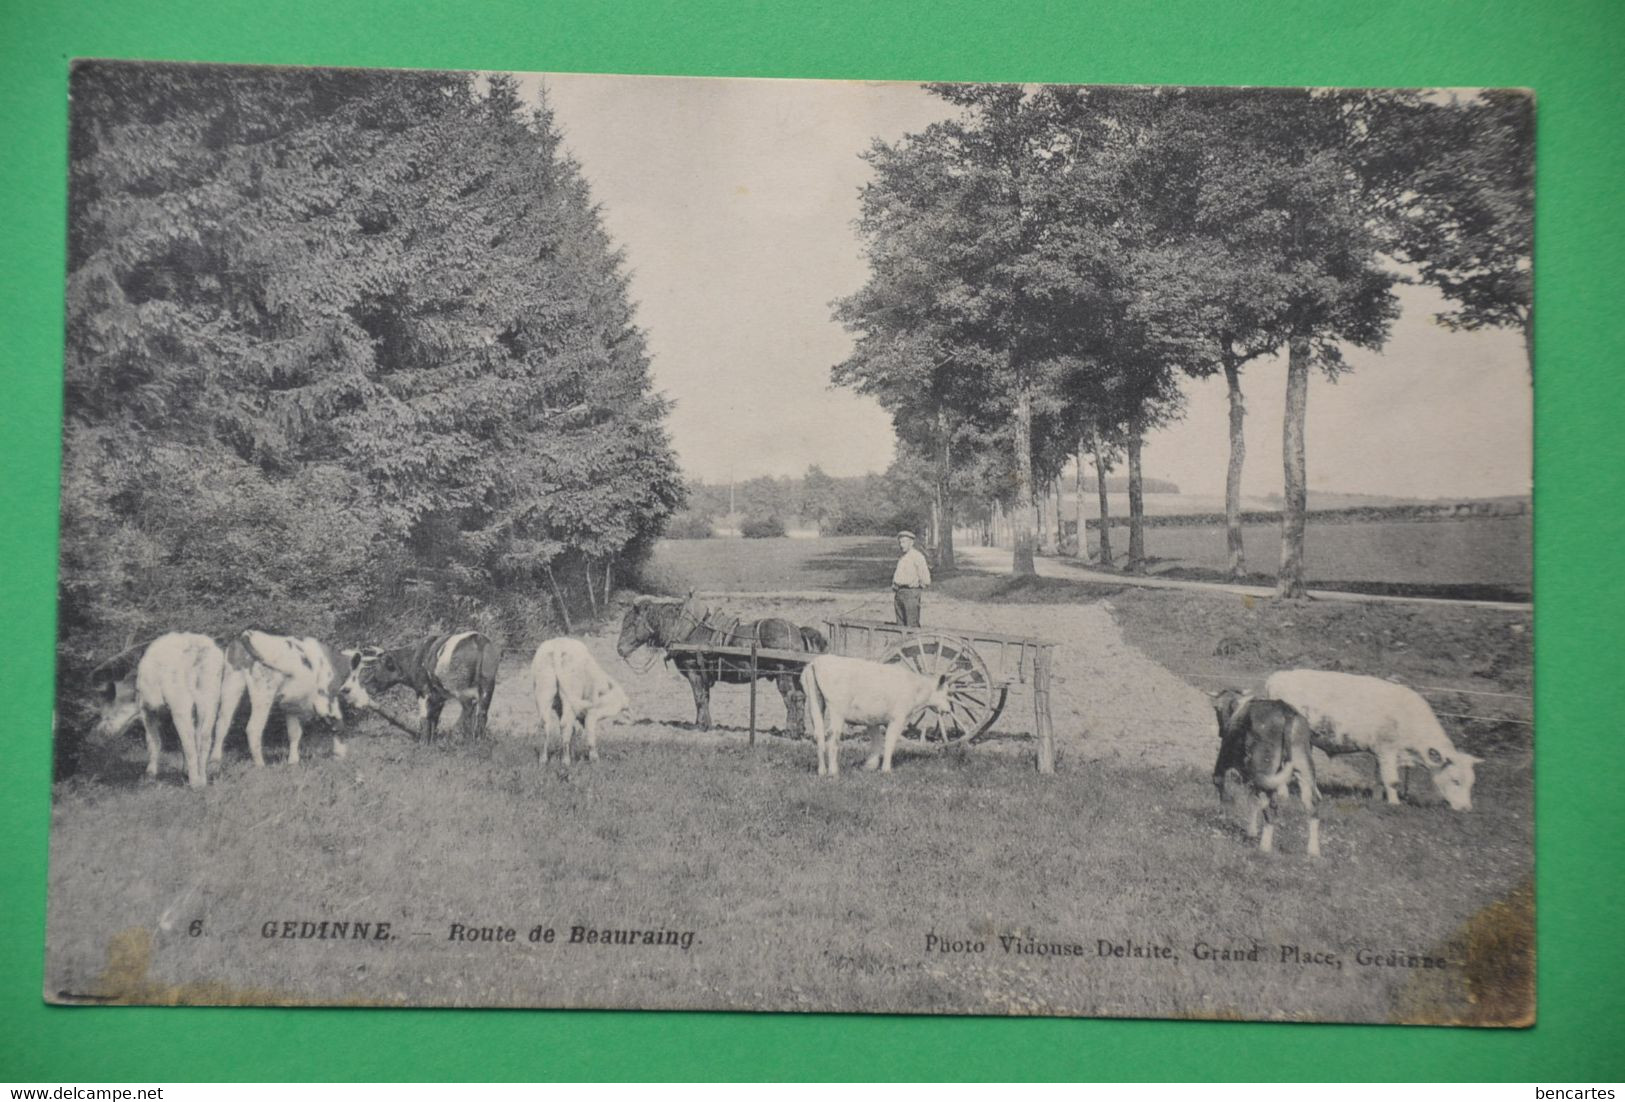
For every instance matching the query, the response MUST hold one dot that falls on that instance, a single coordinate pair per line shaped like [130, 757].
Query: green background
[1569, 51]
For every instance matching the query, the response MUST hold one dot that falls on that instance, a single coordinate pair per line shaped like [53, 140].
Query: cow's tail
[814, 703]
[1283, 776]
[208, 685]
[490, 659]
[555, 696]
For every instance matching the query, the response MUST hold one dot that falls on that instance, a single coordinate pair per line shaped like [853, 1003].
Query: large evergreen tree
[328, 328]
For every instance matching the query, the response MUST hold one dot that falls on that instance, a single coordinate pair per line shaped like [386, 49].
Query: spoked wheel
[974, 701]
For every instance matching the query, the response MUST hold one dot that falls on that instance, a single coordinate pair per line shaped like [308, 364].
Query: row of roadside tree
[1048, 266]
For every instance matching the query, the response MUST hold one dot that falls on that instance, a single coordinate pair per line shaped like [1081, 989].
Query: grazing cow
[461, 666]
[113, 685]
[660, 622]
[569, 680]
[1349, 712]
[178, 673]
[303, 675]
[844, 690]
[1266, 743]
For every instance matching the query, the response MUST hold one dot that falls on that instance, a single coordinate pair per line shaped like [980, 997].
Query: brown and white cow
[573, 693]
[1266, 744]
[302, 675]
[461, 666]
[843, 690]
[179, 673]
[1348, 713]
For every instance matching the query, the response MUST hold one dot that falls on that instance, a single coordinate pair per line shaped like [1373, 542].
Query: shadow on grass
[862, 566]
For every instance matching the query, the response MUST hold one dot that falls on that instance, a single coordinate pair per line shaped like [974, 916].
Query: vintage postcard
[590, 541]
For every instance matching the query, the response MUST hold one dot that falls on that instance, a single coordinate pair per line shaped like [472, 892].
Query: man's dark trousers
[907, 599]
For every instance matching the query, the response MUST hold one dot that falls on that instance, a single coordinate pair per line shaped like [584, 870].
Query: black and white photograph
[676, 543]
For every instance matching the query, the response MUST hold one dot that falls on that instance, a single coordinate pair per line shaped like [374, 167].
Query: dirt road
[1109, 699]
[996, 560]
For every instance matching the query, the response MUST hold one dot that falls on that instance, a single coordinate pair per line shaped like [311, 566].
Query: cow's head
[1453, 777]
[612, 701]
[938, 700]
[117, 704]
[370, 672]
[1226, 703]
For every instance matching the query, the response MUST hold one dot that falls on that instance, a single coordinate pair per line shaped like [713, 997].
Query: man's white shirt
[912, 570]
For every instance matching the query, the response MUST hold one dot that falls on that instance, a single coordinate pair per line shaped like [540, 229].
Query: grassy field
[1474, 557]
[803, 893]
[1483, 557]
[832, 562]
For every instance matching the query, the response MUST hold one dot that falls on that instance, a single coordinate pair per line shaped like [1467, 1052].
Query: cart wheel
[974, 700]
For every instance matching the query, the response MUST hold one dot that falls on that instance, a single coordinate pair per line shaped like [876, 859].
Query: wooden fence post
[1044, 724]
[753, 692]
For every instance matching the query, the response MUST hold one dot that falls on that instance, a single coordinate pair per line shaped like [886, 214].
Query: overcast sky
[734, 202]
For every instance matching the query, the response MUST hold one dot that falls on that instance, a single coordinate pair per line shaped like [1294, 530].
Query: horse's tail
[815, 701]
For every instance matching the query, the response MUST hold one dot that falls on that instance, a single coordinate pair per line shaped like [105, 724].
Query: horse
[661, 621]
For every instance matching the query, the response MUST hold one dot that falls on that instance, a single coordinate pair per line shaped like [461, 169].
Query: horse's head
[638, 627]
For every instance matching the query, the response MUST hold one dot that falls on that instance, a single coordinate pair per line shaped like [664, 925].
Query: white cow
[1350, 712]
[843, 690]
[304, 675]
[178, 673]
[572, 690]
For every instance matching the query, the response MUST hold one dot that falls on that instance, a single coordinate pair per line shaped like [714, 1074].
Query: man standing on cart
[909, 580]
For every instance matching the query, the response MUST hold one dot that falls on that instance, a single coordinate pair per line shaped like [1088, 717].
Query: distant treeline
[870, 504]
[1498, 507]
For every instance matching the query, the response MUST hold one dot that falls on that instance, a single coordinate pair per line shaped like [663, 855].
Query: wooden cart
[982, 667]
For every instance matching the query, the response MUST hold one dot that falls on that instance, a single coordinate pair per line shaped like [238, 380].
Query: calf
[844, 690]
[178, 673]
[569, 678]
[303, 675]
[1348, 713]
[1266, 743]
[461, 667]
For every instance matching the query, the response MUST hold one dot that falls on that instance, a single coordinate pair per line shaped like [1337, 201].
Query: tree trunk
[1136, 503]
[945, 500]
[1105, 513]
[1289, 583]
[1022, 514]
[586, 573]
[1232, 481]
[1060, 524]
[564, 607]
[1042, 543]
[1077, 504]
